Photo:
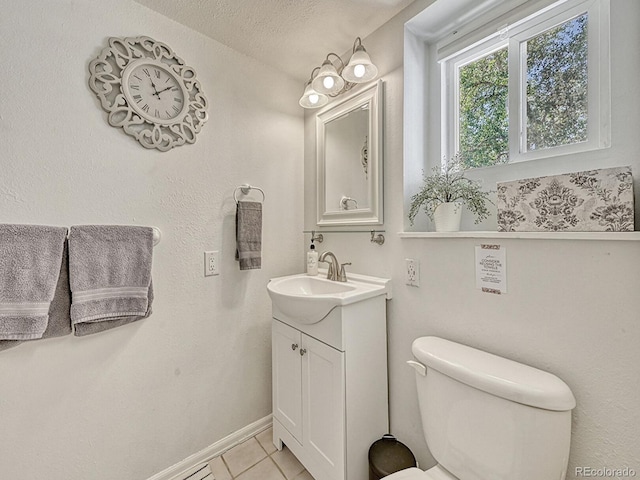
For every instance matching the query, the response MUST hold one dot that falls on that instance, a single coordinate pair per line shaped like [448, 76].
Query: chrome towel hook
[379, 239]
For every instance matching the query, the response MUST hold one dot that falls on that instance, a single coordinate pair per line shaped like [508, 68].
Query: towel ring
[245, 189]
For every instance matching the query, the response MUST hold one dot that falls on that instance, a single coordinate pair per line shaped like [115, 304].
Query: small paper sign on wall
[491, 269]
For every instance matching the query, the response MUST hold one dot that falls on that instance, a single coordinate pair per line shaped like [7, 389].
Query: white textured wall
[572, 306]
[128, 403]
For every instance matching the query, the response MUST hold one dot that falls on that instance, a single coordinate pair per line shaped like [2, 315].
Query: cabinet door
[287, 375]
[323, 397]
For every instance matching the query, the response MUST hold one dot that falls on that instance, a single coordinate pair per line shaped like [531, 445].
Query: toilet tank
[489, 418]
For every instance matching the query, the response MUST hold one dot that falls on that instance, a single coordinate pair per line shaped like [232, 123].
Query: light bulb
[328, 82]
[313, 98]
[359, 70]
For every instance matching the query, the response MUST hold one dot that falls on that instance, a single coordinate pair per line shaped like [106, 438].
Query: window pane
[557, 86]
[483, 113]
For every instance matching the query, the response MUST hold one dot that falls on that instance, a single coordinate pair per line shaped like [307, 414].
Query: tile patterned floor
[258, 459]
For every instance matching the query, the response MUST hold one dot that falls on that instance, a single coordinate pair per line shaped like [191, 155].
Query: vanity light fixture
[311, 98]
[334, 77]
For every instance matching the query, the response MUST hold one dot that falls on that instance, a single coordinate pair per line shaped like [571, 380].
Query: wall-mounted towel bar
[157, 235]
[245, 189]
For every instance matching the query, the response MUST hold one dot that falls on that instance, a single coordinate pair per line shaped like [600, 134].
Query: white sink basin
[308, 300]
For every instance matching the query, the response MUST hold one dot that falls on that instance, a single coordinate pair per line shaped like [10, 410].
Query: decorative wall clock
[149, 91]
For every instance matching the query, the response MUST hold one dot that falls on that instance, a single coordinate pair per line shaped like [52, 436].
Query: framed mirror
[349, 160]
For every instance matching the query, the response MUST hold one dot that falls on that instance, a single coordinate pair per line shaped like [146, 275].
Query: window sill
[601, 236]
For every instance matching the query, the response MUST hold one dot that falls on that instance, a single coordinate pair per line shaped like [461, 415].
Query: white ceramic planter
[447, 217]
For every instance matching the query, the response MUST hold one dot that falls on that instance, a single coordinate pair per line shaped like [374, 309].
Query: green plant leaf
[448, 184]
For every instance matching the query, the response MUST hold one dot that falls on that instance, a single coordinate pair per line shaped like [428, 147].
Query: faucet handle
[342, 277]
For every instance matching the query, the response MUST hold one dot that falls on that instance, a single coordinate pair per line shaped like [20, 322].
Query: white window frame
[514, 35]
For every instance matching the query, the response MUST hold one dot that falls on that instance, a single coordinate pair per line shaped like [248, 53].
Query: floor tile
[266, 440]
[303, 476]
[219, 469]
[243, 456]
[288, 463]
[265, 470]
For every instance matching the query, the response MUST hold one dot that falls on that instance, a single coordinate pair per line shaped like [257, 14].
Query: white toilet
[488, 418]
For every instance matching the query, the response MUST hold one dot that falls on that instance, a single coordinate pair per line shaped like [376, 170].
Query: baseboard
[215, 449]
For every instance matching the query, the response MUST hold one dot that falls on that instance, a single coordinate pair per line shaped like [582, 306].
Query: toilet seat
[435, 473]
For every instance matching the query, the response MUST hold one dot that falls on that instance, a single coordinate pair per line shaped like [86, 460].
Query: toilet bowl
[485, 417]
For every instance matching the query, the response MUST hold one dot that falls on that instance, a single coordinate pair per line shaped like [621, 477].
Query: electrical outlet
[412, 273]
[211, 263]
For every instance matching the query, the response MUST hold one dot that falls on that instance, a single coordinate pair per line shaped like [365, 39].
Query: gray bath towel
[30, 260]
[249, 235]
[59, 318]
[110, 276]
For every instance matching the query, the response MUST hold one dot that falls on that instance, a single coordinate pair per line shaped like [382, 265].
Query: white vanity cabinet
[308, 394]
[330, 400]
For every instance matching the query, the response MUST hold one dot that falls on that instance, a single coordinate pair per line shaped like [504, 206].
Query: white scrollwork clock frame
[111, 73]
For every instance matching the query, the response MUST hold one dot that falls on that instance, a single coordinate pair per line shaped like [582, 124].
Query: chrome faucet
[336, 270]
[332, 273]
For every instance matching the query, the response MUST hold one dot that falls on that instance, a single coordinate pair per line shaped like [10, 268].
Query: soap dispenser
[312, 260]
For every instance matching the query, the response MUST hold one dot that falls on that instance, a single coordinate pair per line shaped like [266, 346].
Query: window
[531, 89]
[481, 113]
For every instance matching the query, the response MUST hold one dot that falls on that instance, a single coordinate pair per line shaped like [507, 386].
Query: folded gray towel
[249, 235]
[59, 318]
[88, 328]
[30, 259]
[110, 276]
[59, 311]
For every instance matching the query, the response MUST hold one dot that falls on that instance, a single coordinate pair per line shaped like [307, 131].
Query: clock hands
[168, 88]
[155, 91]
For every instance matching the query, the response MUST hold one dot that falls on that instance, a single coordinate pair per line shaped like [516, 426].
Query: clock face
[149, 92]
[154, 92]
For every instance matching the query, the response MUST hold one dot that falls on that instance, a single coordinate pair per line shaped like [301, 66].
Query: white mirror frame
[357, 216]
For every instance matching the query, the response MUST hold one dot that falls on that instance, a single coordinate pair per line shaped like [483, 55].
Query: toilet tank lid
[493, 374]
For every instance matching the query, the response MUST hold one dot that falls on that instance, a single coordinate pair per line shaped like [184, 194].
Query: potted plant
[445, 192]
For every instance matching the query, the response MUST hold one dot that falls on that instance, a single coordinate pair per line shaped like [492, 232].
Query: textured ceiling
[292, 35]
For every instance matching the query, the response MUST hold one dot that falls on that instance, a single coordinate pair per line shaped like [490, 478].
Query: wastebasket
[387, 456]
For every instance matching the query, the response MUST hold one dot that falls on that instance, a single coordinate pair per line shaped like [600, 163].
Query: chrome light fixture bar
[334, 78]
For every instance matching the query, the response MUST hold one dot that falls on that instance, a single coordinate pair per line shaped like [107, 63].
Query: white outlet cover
[412, 272]
[211, 263]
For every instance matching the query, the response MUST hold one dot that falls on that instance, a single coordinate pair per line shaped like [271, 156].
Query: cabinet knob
[303, 351]
[294, 346]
